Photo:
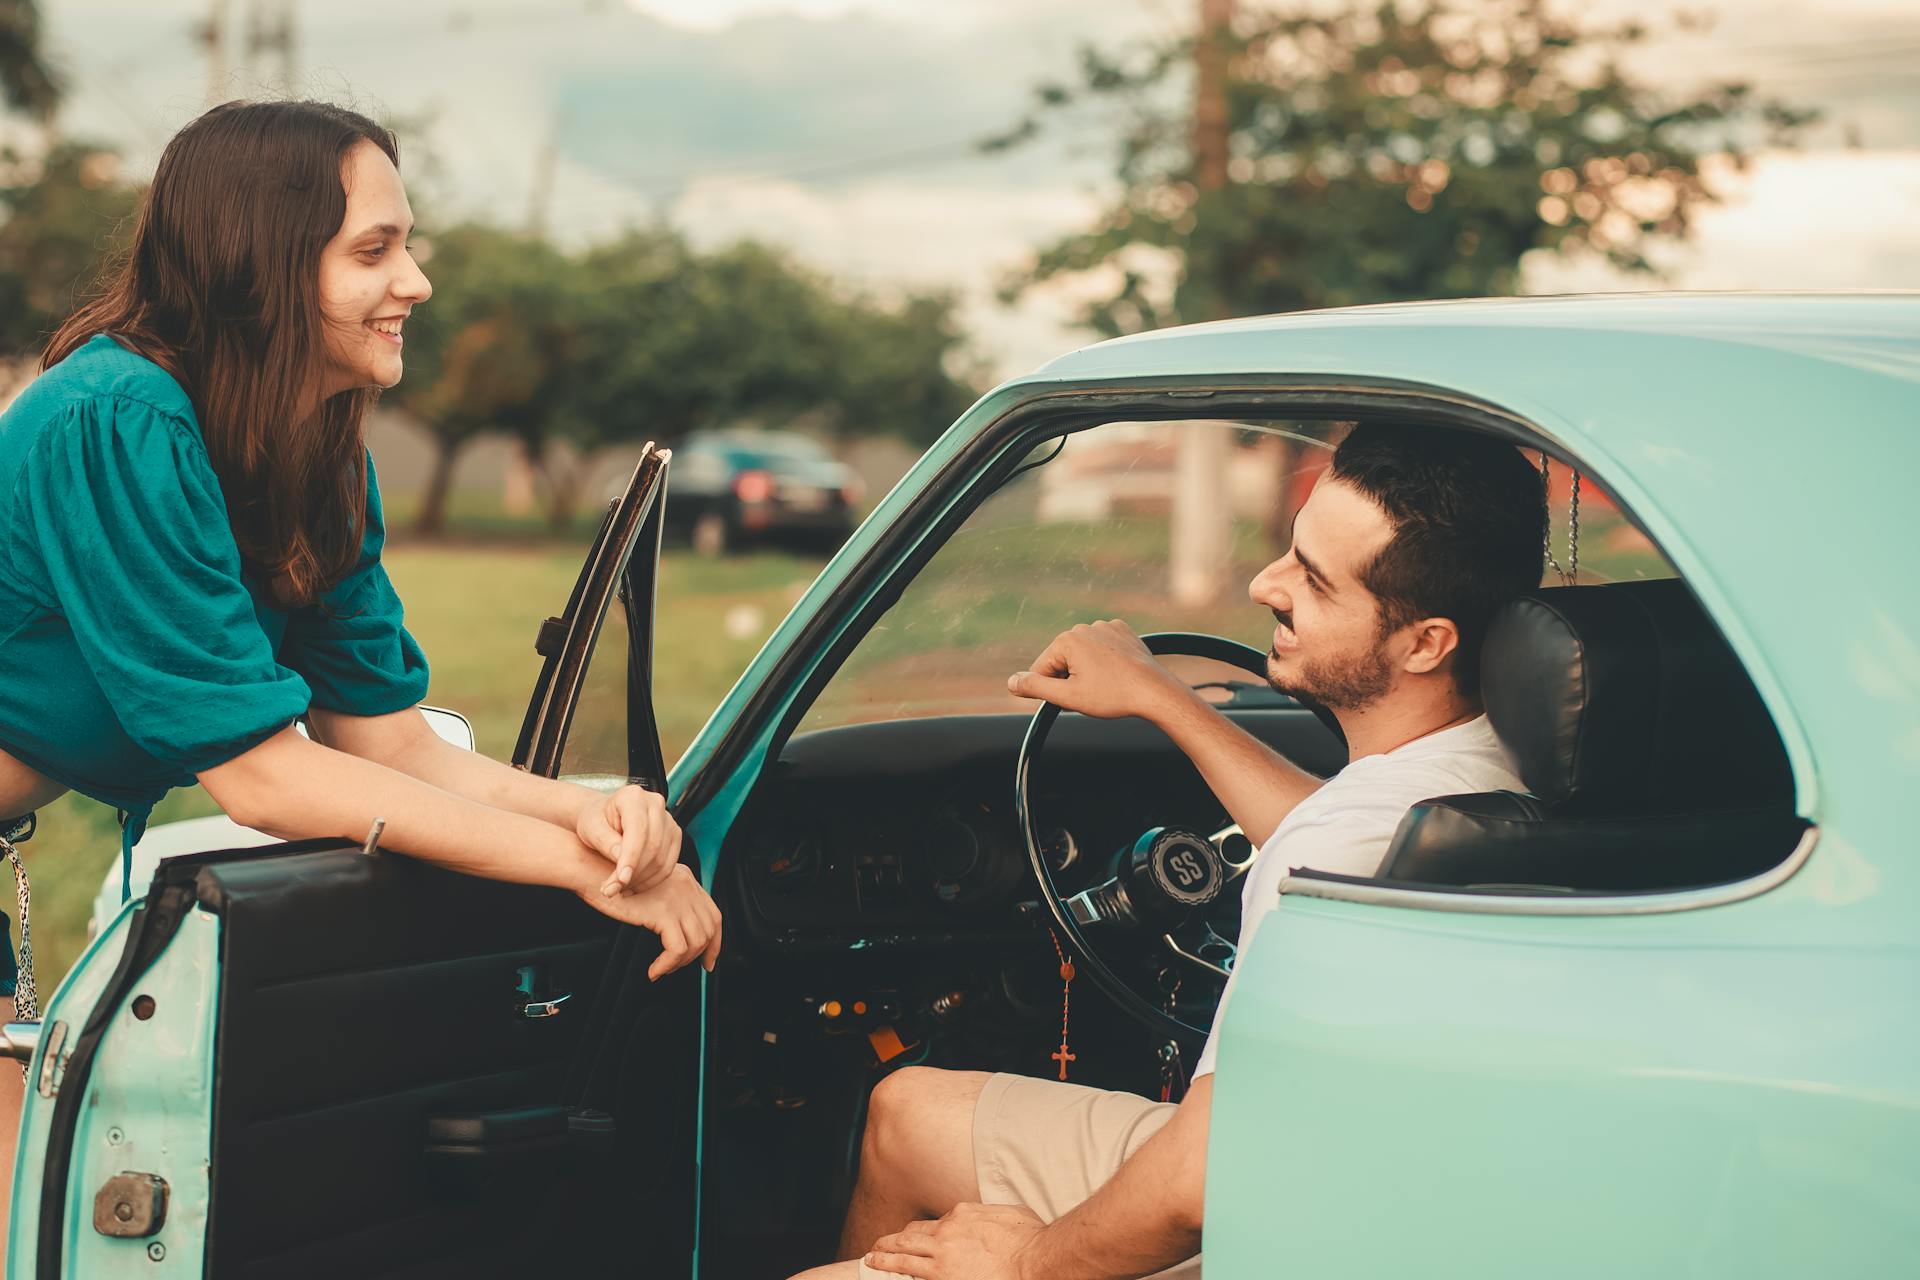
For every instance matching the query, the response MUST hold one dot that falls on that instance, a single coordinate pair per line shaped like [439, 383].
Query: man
[1408, 544]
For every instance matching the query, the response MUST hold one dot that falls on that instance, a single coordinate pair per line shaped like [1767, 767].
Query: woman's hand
[633, 830]
[677, 909]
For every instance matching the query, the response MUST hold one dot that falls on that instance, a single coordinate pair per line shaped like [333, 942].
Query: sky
[844, 129]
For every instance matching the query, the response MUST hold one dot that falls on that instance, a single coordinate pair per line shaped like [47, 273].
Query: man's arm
[1145, 1218]
[1101, 669]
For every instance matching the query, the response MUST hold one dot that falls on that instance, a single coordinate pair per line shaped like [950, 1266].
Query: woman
[191, 544]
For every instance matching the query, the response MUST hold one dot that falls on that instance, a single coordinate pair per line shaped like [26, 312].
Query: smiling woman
[194, 541]
[369, 282]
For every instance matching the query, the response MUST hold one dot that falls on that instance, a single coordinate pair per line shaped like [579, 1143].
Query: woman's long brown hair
[220, 287]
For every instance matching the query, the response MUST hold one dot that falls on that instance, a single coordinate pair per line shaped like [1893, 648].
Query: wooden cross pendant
[1063, 1058]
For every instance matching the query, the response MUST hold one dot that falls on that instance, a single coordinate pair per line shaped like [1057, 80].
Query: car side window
[1090, 535]
[597, 740]
[1086, 535]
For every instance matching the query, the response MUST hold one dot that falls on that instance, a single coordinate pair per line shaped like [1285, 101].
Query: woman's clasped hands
[648, 886]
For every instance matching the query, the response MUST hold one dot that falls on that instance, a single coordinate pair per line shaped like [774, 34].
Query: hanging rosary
[1063, 1057]
[1570, 575]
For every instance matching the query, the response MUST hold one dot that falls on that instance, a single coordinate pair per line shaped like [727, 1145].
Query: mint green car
[1659, 1017]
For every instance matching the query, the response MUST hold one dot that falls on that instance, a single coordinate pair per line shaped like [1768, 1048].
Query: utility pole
[540, 198]
[212, 35]
[522, 471]
[1201, 536]
[270, 31]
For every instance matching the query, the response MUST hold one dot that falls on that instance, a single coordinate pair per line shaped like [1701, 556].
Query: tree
[670, 340]
[66, 215]
[491, 349]
[645, 338]
[1391, 153]
[27, 84]
[1375, 155]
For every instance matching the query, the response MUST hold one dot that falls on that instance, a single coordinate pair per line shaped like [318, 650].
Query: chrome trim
[548, 1008]
[18, 1040]
[1719, 895]
[53, 1063]
[449, 725]
[1234, 869]
[1191, 958]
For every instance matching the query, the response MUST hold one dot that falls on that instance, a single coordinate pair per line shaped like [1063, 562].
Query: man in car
[1409, 543]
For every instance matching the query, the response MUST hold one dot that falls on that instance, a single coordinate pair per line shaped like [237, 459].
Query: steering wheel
[1163, 882]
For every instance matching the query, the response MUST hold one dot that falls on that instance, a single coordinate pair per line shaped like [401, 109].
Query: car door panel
[359, 998]
[413, 971]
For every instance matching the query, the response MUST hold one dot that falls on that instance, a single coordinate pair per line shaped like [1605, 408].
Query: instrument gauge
[1059, 848]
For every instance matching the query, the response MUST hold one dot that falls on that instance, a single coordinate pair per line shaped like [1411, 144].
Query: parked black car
[731, 488]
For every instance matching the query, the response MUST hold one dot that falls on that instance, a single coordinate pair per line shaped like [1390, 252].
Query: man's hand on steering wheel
[1100, 669]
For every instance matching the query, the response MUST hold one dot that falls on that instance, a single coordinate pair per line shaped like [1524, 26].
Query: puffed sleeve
[132, 530]
[352, 645]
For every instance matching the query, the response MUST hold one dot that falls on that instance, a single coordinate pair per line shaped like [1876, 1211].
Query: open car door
[311, 1060]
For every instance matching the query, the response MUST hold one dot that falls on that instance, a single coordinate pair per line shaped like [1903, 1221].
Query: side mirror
[450, 725]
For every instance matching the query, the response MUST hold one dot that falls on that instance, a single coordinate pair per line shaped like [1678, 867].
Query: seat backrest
[1651, 760]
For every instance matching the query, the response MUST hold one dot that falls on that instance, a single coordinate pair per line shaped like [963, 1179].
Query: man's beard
[1345, 683]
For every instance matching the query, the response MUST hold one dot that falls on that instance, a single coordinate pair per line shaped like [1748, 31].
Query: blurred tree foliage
[66, 206]
[646, 338]
[66, 215]
[27, 83]
[1387, 153]
[487, 352]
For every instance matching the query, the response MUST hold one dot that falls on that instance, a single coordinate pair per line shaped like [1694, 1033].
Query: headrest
[1625, 698]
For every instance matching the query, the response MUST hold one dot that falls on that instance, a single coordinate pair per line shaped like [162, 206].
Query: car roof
[1809, 323]
[1769, 442]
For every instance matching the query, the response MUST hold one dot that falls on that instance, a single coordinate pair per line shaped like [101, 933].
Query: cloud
[892, 235]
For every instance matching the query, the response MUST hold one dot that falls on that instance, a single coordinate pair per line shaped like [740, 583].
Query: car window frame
[978, 469]
[566, 642]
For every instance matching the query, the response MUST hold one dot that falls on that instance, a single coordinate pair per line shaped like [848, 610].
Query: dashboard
[903, 833]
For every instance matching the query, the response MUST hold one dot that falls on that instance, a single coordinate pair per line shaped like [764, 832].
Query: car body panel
[149, 1108]
[1688, 1094]
[1764, 1045]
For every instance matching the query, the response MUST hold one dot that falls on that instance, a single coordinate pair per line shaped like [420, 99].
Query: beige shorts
[1050, 1145]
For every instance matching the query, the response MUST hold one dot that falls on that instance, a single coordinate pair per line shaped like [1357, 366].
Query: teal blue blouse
[136, 650]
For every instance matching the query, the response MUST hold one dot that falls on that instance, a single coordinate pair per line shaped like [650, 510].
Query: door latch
[131, 1206]
[533, 998]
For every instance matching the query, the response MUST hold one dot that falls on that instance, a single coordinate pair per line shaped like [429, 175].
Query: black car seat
[1651, 761]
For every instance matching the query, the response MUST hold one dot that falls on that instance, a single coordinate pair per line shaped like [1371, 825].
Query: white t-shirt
[1348, 823]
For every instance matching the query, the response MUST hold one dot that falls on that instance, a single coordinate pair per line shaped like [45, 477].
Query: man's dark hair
[1469, 520]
